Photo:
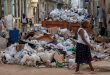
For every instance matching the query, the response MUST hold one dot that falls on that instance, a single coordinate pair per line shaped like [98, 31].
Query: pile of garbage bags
[51, 50]
[3, 43]
[102, 51]
[32, 51]
[69, 15]
[26, 56]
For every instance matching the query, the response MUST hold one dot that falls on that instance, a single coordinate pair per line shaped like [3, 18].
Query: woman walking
[83, 54]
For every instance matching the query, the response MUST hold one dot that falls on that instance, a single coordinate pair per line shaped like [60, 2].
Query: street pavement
[103, 68]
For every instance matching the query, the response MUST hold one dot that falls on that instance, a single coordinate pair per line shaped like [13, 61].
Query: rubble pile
[51, 48]
[70, 15]
[102, 49]
[3, 43]
[39, 46]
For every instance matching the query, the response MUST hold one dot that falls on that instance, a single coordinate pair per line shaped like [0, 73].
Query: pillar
[5, 8]
[20, 8]
[11, 7]
[17, 8]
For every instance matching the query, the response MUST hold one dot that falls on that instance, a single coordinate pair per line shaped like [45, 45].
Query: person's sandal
[78, 72]
[92, 72]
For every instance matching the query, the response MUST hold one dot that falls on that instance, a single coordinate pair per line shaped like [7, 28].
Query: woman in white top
[83, 54]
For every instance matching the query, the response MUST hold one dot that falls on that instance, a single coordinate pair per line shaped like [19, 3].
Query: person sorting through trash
[83, 54]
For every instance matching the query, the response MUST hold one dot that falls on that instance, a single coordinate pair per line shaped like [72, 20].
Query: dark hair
[0, 18]
[23, 15]
[98, 6]
[84, 24]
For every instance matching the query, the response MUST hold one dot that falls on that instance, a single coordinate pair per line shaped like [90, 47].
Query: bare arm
[81, 33]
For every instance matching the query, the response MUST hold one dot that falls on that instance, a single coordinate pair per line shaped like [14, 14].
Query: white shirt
[85, 35]
[24, 20]
[9, 22]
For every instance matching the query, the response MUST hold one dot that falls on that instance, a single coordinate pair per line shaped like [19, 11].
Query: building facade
[1, 8]
[41, 9]
[77, 3]
[67, 3]
[36, 9]
[105, 4]
[16, 8]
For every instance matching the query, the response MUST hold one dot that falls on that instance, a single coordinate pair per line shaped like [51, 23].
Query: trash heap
[102, 48]
[51, 47]
[38, 46]
[69, 15]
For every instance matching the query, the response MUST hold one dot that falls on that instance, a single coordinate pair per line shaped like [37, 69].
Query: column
[20, 8]
[81, 3]
[25, 6]
[11, 7]
[16, 8]
[5, 8]
[8, 6]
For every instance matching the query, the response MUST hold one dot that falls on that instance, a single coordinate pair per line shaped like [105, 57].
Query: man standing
[24, 21]
[100, 16]
[9, 22]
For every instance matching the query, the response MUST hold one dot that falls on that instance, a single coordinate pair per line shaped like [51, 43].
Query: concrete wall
[107, 6]
[77, 3]
[74, 3]
[44, 8]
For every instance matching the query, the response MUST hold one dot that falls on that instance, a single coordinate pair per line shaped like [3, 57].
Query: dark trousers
[102, 29]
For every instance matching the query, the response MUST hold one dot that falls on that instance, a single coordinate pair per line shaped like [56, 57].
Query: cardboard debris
[19, 47]
[53, 30]
[101, 39]
[59, 57]
[46, 38]
[28, 35]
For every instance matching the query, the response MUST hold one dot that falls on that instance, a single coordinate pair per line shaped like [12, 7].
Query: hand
[91, 47]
